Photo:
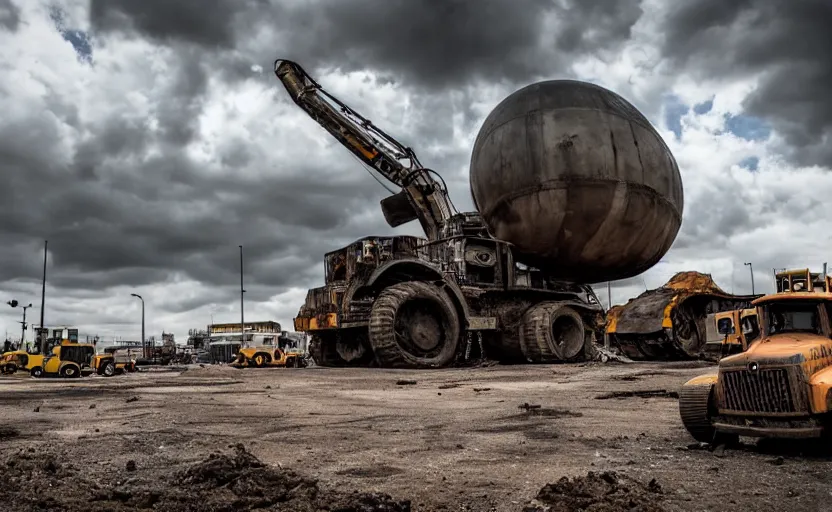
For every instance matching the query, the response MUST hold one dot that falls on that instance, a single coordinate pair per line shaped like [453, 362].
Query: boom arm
[422, 196]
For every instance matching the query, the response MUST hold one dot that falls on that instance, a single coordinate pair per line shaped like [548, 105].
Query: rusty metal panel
[482, 323]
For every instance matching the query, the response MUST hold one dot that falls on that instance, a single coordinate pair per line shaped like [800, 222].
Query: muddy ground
[381, 440]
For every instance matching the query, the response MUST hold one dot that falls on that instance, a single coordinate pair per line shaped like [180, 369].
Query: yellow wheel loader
[669, 323]
[71, 360]
[781, 386]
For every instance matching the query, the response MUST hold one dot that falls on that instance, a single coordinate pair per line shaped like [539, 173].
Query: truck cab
[781, 386]
[731, 332]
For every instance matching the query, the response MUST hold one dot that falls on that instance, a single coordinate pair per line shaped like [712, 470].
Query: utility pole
[42, 347]
[144, 346]
[242, 316]
[23, 329]
[751, 269]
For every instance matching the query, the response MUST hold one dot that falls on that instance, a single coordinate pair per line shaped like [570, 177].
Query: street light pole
[751, 269]
[43, 340]
[23, 327]
[242, 316]
[144, 346]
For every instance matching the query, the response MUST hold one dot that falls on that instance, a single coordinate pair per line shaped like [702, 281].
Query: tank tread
[694, 408]
[533, 338]
[387, 352]
[536, 340]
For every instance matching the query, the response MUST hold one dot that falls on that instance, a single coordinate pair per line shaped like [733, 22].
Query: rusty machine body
[670, 322]
[404, 301]
[781, 386]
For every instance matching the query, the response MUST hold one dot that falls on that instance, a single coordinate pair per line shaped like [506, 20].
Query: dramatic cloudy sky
[148, 140]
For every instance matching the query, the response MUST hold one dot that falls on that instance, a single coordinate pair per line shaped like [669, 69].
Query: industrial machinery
[730, 332]
[781, 386]
[572, 186]
[70, 360]
[17, 360]
[124, 358]
[669, 323]
[259, 357]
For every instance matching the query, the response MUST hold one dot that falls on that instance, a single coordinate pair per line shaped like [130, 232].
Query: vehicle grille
[764, 391]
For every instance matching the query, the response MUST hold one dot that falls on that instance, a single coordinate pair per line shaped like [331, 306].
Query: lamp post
[144, 346]
[242, 316]
[751, 269]
[23, 327]
[43, 338]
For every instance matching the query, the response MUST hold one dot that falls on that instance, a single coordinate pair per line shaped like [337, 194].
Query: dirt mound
[221, 482]
[604, 492]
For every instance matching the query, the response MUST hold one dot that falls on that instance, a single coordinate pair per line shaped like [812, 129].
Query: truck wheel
[36, 372]
[323, 351]
[69, 371]
[414, 325]
[696, 408]
[259, 360]
[552, 333]
[109, 369]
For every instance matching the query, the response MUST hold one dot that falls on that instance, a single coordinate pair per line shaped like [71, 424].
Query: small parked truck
[259, 357]
[781, 385]
[18, 360]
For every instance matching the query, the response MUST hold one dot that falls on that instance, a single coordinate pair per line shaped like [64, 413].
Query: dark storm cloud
[9, 15]
[205, 22]
[789, 42]
[443, 43]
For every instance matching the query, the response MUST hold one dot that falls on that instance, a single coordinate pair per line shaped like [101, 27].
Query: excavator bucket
[398, 209]
[668, 323]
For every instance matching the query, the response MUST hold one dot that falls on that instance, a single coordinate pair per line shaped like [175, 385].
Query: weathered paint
[820, 385]
[702, 380]
[651, 311]
[776, 297]
[578, 180]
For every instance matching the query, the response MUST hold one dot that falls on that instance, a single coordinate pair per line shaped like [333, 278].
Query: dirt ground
[476, 439]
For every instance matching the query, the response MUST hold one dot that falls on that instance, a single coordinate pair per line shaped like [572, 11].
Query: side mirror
[725, 326]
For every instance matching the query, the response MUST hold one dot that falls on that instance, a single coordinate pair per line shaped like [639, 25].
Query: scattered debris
[479, 390]
[606, 356]
[92, 406]
[528, 407]
[132, 399]
[239, 481]
[406, 382]
[7, 432]
[37, 409]
[648, 393]
[448, 386]
[607, 491]
[779, 461]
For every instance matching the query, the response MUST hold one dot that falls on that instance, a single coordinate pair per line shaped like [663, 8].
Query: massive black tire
[552, 333]
[696, 410]
[36, 372]
[686, 331]
[414, 325]
[259, 360]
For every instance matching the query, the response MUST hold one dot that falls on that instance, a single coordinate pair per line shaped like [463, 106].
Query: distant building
[265, 333]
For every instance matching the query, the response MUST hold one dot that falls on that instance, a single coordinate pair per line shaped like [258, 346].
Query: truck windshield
[793, 316]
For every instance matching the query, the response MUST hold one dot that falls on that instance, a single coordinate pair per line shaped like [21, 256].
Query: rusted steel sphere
[578, 180]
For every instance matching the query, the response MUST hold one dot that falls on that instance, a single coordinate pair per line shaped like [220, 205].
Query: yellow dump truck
[669, 323]
[781, 386]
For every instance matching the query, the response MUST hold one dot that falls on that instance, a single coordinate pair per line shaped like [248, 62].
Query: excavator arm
[422, 197]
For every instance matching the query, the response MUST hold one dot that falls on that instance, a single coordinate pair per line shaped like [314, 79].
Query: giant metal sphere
[578, 180]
